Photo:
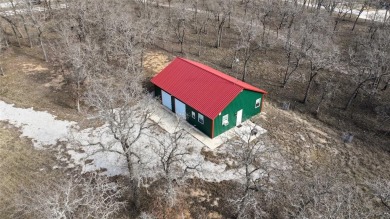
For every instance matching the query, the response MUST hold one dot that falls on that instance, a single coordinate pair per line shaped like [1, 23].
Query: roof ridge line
[212, 72]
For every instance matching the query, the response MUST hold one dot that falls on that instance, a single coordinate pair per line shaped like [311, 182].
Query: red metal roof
[203, 88]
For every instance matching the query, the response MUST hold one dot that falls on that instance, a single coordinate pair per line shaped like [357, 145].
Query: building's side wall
[205, 128]
[246, 101]
[157, 91]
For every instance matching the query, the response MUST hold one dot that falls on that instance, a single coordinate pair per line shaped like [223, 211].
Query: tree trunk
[43, 48]
[357, 18]
[196, 12]
[245, 70]
[246, 60]
[308, 89]
[182, 41]
[339, 18]
[234, 59]
[219, 33]
[320, 102]
[352, 97]
[288, 73]
[135, 192]
[78, 95]
[14, 28]
[199, 42]
[313, 74]
[229, 20]
[26, 30]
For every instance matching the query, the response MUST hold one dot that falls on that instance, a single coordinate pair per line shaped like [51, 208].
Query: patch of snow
[44, 130]
[377, 15]
[42, 127]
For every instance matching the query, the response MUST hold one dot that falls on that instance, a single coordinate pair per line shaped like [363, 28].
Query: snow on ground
[5, 5]
[25, 10]
[371, 14]
[45, 130]
[41, 127]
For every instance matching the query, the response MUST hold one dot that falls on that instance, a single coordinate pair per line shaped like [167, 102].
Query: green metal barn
[208, 99]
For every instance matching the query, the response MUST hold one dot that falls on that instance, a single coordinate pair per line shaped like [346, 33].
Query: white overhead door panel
[166, 99]
[180, 109]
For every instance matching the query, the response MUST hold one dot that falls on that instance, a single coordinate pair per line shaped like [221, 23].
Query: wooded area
[319, 56]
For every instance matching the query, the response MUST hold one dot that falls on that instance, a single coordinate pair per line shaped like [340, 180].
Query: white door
[166, 99]
[180, 108]
[239, 117]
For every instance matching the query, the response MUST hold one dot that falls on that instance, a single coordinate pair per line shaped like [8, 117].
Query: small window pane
[193, 114]
[225, 120]
[258, 101]
[200, 118]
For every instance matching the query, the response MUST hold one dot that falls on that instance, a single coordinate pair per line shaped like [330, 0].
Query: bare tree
[253, 159]
[381, 189]
[291, 47]
[327, 91]
[3, 45]
[285, 15]
[221, 10]
[249, 41]
[300, 40]
[363, 7]
[330, 5]
[173, 150]
[320, 194]
[83, 196]
[369, 63]
[38, 21]
[122, 104]
[383, 113]
[342, 11]
[179, 24]
[18, 9]
[14, 27]
[77, 58]
[199, 24]
[323, 54]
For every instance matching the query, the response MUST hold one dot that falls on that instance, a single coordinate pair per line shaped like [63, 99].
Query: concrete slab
[170, 122]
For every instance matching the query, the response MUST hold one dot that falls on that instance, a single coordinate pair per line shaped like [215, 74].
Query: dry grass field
[21, 166]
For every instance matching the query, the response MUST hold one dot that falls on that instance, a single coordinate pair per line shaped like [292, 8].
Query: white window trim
[258, 101]
[225, 120]
[193, 115]
[201, 121]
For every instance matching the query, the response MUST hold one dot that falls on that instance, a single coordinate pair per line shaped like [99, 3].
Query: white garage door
[180, 108]
[166, 99]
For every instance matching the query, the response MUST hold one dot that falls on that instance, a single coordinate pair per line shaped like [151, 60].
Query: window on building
[225, 120]
[200, 118]
[193, 114]
[258, 102]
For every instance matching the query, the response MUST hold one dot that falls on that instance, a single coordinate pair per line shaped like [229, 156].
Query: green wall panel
[205, 128]
[246, 101]
[157, 91]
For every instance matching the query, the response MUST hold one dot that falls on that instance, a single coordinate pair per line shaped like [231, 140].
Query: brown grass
[20, 166]
[30, 82]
